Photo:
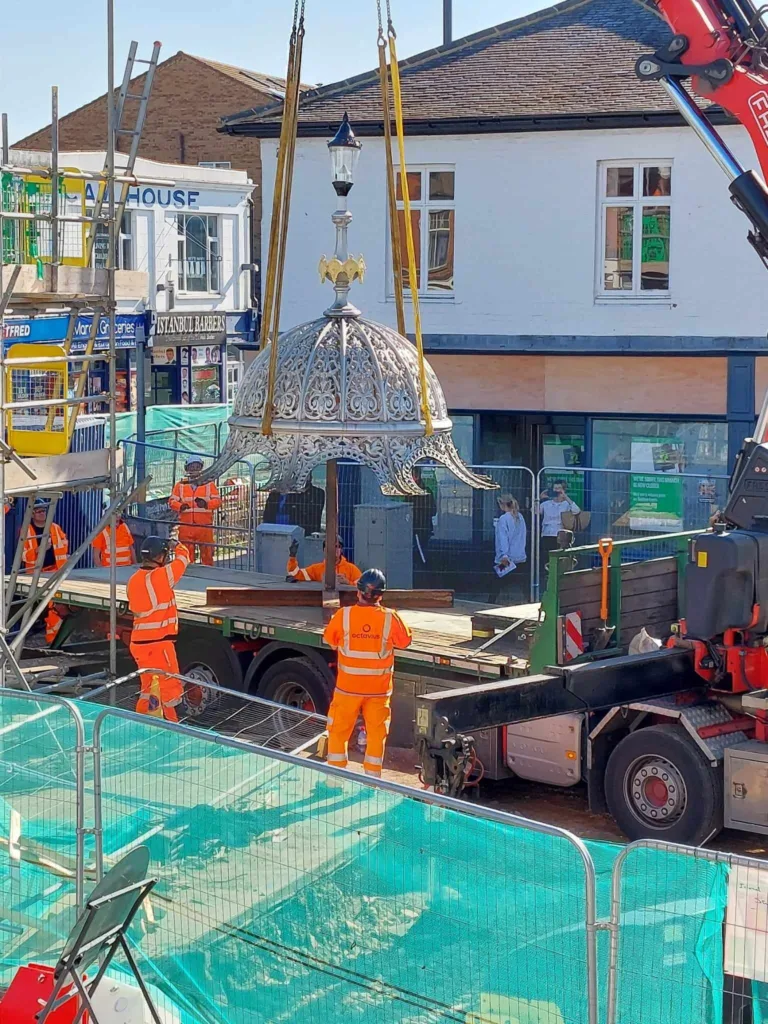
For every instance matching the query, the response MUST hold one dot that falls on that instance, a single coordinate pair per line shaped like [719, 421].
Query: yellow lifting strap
[281, 206]
[394, 223]
[412, 278]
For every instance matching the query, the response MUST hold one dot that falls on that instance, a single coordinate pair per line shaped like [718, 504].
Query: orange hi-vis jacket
[152, 600]
[365, 638]
[123, 545]
[58, 541]
[185, 493]
[316, 573]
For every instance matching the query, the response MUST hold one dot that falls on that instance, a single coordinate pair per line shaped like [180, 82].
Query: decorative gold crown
[330, 269]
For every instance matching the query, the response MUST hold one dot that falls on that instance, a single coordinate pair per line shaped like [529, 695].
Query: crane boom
[722, 46]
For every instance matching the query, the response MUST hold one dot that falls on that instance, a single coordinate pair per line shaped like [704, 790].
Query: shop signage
[175, 198]
[656, 495]
[54, 328]
[180, 328]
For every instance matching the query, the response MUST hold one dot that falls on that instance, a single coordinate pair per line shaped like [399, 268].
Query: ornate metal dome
[345, 388]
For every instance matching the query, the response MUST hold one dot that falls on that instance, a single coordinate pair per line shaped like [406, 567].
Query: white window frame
[637, 202]
[222, 165]
[425, 205]
[213, 254]
[126, 240]
[234, 376]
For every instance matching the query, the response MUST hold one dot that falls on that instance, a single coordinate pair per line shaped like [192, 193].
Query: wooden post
[331, 524]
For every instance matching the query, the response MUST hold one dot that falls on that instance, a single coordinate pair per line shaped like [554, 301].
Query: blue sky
[53, 43]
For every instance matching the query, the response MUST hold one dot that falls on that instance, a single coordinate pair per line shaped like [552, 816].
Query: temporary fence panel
[453, 525]
[667, 955]
[627, 506]
[43, 848]
[288, 893]
[232, 522]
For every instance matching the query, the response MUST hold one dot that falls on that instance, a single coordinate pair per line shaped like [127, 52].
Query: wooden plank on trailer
[296, 596]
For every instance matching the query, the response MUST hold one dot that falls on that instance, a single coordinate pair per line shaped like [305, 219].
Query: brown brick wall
[187, 101]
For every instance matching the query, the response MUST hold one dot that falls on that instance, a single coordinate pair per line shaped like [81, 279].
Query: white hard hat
[193, 460]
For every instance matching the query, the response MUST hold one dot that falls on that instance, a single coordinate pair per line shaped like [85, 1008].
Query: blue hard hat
[41, 503]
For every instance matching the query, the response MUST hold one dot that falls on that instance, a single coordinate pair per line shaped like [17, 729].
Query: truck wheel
[659, 785]
[297, 683]
[207, 658]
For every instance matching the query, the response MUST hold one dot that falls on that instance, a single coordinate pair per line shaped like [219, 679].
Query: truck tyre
[297, 683]
[206, 656]
[659, 785]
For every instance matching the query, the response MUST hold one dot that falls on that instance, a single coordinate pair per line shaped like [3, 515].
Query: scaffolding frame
[98, 305]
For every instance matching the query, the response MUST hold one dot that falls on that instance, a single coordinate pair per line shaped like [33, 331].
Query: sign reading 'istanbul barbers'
[182, 328]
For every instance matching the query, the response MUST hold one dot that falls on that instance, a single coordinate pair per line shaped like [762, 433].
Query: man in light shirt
[552, 509]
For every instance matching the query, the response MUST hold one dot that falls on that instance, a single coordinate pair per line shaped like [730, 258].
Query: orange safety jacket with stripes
[316, 573]
[123, 545]
[58, 541]
[152, 600]
[365, 638]
[186, 493]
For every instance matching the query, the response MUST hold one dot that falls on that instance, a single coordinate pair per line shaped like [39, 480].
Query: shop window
[674, 475]
[233, 380]
[635, 210]
[125, 244]
[199, 254]
[431, 191]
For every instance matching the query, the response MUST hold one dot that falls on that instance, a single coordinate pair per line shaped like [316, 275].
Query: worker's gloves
[293, 550]
[201, 503]
[185, 507]
[340, 580]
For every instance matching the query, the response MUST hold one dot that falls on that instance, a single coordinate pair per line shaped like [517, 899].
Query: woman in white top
[510, 548]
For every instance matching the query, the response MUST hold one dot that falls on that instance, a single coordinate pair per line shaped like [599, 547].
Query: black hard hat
[372, 583]
[153, 548]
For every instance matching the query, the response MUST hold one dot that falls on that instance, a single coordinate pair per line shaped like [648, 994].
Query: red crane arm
[727, 43]
[722, 46]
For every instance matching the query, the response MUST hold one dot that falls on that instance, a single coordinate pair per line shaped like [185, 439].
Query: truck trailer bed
[441, 636]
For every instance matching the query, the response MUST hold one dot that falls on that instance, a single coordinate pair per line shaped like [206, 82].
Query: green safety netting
[287, 896]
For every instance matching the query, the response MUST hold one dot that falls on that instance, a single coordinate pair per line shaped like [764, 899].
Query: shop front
[130, 331]
[189, 357]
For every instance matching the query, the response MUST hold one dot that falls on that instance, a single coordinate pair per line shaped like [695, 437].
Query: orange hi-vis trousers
[160, 693]
[193, 537]
[342, 717]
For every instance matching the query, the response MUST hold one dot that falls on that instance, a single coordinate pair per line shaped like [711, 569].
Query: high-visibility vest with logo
[123, 545]
[185, 493]
[365, 638]
[58, 542]
[152, 600]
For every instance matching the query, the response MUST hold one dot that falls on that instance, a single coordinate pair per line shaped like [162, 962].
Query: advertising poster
[564, 450]
[655, 489]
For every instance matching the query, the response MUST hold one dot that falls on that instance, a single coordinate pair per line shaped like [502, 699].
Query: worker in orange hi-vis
[125, 549]
[365, 636]
[346, 571]
[196, 503]
[55, 557]
[152, 600]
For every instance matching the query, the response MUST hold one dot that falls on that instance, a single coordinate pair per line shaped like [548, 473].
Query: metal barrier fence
[299, 892]
[45, 848]
[457, 532]
[687, 936]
